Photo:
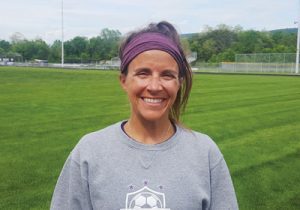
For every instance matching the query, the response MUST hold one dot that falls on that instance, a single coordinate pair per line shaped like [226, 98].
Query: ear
[122, 79]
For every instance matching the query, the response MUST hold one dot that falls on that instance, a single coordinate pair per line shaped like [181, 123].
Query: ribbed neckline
[138, 145]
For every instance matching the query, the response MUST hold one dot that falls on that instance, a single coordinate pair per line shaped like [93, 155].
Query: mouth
[152, 100]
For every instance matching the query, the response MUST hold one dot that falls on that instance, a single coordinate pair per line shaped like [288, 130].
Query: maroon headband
[150, 41]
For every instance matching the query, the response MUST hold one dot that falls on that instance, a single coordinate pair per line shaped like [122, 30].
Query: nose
[154, 84]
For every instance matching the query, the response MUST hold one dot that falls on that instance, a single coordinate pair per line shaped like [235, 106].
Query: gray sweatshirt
[107, 170]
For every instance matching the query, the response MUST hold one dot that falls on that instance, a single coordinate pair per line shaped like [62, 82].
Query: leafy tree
[42, 50]
[55, 52]
[288, 40]
[74, 47]
[253, 42]
[5, 45]
[85, 57]
[110, 43]
[213, 41]
[36, 49]
[2, 52]
[94, 48]
[185, 45]
[227, 56]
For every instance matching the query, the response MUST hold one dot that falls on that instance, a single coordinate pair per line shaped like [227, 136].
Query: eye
[142, 74]
[168, 76]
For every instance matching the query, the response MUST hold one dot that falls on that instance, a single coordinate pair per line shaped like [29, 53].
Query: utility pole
[298, 41]
[62, 33]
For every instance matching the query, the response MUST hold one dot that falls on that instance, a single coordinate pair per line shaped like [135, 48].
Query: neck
[149, 132]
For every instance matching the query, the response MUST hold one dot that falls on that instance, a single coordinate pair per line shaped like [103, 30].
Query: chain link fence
[262, 63]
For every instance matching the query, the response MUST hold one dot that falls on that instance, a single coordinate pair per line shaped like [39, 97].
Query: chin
[153, 116]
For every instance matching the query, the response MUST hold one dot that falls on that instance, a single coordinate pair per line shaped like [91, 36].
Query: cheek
[134, 90]
[173, 88]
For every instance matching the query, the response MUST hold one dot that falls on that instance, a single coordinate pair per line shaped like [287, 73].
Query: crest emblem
[145, 198]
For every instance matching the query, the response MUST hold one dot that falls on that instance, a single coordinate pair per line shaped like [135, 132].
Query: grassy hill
[285, 30]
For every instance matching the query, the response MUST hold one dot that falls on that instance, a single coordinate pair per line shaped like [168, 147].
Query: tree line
[213, 45]
[223, 42]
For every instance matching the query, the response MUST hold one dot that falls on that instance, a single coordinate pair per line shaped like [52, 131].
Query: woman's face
[151, 84]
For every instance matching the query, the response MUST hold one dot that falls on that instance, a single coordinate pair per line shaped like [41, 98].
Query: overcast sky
[42, 18]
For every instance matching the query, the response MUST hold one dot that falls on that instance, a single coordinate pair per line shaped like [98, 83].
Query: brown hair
[183, 93]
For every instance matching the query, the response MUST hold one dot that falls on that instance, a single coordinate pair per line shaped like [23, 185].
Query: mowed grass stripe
[274, 184]
[240, 101]
[253, 118]
[261, 146]
[44, 112]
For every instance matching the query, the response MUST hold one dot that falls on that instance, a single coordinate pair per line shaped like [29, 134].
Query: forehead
[154, 59]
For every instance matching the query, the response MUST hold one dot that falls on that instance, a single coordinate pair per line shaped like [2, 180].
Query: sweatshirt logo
[145, 198]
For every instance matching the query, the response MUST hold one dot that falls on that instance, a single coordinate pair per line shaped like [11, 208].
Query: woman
[148, 161]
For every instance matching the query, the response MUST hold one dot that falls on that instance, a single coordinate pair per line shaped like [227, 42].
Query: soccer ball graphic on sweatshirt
[145, 198]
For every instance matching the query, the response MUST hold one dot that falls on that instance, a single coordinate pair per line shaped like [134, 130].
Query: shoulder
[197, 139]
[200, 145]
[98, 142]
[101, 135]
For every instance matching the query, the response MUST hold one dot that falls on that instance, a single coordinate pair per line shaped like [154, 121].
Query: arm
[222, 190]
[72, 189]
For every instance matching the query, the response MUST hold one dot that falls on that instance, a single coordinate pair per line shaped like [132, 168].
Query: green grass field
[255, 120]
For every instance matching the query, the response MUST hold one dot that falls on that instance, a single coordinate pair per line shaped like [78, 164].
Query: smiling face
[152, 83]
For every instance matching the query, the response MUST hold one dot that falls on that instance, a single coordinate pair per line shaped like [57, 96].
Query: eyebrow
[142, 69]
[169, 71]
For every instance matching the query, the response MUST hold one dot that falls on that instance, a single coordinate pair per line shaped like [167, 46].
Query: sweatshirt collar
[138, 145]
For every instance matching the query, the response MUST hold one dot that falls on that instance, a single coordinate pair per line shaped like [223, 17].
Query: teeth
[153, 100]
